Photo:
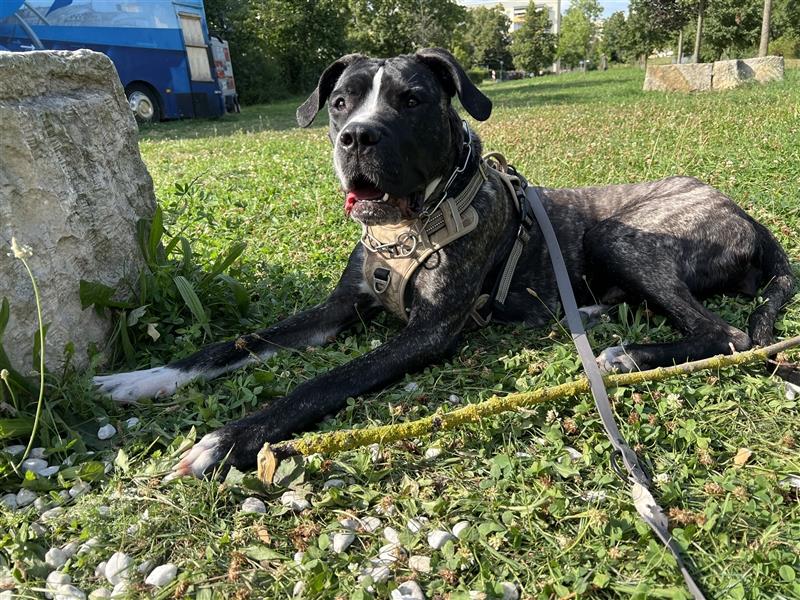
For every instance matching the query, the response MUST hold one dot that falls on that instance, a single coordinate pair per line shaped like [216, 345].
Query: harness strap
[643, 500]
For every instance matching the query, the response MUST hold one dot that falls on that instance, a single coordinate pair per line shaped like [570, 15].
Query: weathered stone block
[729, 74]
[72, 187]
[678, 78]
[766, 69]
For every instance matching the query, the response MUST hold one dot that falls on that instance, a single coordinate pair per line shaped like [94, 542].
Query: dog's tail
[780, 288]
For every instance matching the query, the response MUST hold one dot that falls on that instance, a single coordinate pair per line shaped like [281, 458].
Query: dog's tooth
[386, 196]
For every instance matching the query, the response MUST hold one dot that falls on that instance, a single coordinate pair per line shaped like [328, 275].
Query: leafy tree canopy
[532, 45]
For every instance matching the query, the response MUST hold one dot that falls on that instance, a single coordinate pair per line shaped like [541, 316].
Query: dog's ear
[327, 81]
[456, 82]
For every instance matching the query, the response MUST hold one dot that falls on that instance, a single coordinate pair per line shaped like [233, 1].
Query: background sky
[609, 6]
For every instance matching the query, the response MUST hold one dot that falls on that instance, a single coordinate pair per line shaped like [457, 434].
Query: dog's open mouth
[363, 200]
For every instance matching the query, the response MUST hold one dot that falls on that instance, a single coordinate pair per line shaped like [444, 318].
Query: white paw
[148, 383]
[616, 358]
[197, 459]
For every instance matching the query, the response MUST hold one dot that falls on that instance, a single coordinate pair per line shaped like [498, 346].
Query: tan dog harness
[395, 252]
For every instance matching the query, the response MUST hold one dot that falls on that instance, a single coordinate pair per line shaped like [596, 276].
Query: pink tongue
[358, 194]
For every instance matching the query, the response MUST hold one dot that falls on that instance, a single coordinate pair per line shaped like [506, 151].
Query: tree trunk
[700, 9]
[763, 48]
[680, 47]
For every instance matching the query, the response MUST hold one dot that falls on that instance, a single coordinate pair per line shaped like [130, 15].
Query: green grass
[260, 180]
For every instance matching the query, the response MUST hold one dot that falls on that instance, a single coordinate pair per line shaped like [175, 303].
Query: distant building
[516, 11]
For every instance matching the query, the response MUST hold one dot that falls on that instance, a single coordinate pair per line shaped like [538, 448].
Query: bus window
[196, 50]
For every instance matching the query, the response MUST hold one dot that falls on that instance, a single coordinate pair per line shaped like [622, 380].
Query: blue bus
[168, 63]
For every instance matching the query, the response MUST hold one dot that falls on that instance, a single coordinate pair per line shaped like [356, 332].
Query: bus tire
[144, 103]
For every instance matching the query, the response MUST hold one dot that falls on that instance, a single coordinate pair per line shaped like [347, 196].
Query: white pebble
[120, 590]
[416, 525]
[47, 472]
[341, 541]
[374, 452]
[420, 563]
[100, 570]
[792, 390]
[379, 574]
[298, 556]
[438, 538]
[117, 568]
[349, 523]
[370, 524]
[411, 387]
[34, 465]
[459, 528]
[38, 529]
[162, 575]
[41, 504]
[391, 534]
[106, 432]
[69, 592]
[388, 554]
[295, 501]
[408, 590]
[37, 452]
[25, 497]
[510, 591]
[132, 422]
[333, 483]
[432, 453]
[792, 481]
[298, 589]
[70, 549]
[56, 579]
[103, 510]
[595, 496]
[454, 399]
[146, 566]
[100, 594]
[55, 558]
[14, 450]
[7, 595]
[9, 501]
[573, 453]
[51, 514]
[88, 545]
[79, 489]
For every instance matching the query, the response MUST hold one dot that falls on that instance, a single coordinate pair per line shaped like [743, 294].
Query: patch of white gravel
[79, 488]
[460, 528]
[9, 501]
[432, 453]
[341, 541]
[118, 568]
[439, 537]
[295, 501]
[408, 590]
[34, 465]
[391, 534]
[106, 432]
[53, 513]
[55, 558]
[420, 563]
[100, 594]
[253, 505]
[162, 575]
[26, 497]
[416, 524]
[370, 524]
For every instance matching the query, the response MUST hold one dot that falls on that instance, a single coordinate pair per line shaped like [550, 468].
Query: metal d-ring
[402, 245]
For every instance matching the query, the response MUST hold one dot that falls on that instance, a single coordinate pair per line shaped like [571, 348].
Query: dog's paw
[136, 385]
[616, 359]
[200, 458]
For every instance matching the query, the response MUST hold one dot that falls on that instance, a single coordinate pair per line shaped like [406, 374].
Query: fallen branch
[339, 441]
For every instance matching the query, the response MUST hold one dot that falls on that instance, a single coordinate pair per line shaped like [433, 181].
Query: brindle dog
[396, 141]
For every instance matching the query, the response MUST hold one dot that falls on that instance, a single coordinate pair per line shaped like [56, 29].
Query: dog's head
[395, 134]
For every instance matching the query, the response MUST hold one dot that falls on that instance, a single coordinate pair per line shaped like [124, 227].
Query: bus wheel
[143, 103]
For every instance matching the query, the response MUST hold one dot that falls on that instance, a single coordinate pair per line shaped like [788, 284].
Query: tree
[590, 8]
[763, 46]
[485, 39]
[614, 35]
[732, 28]
[532, 45]
[391, 27]
[575, 41]
[652, 23]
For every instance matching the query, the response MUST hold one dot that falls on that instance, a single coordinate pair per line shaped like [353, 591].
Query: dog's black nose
[357, 135]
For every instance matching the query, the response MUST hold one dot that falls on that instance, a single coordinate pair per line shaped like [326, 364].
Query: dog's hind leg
[348, 303]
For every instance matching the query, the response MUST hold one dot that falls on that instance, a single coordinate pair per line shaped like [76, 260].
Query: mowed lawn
[545, 511]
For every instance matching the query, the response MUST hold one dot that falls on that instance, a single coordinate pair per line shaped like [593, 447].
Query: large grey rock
[72, 187]
[678, 78]
[766, 69]
[729, 74]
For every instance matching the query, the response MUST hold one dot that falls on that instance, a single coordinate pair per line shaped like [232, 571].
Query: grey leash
[643, 500]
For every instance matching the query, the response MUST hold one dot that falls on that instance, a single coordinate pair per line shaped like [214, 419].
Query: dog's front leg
[348, 304]
[416, 346]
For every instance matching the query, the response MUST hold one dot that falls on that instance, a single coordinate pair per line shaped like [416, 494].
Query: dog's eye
[411, 102]
[339, 104]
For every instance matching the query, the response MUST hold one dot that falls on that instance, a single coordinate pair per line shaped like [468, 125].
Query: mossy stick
[339, 441]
